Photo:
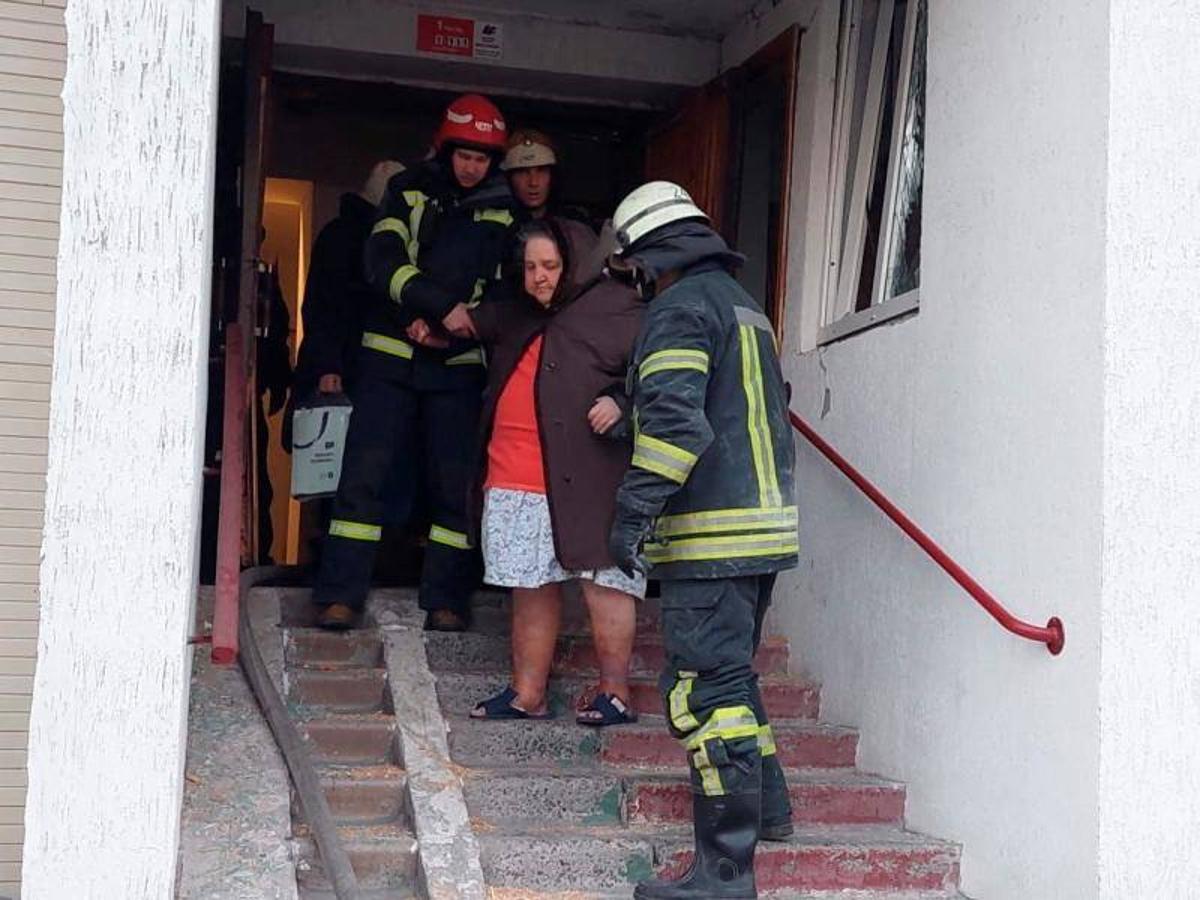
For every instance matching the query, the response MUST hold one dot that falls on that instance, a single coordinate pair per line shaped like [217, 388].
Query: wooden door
[693, 149]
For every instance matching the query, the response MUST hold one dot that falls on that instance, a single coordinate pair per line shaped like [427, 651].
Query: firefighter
[707, 506]
[437, 244]
[336, 297]
[532, 166]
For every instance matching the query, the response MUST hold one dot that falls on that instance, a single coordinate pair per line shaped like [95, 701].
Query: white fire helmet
[649, 207]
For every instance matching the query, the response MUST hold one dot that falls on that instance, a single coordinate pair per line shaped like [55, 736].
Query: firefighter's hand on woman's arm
[604, 414]
[419, 332]
[458, 322]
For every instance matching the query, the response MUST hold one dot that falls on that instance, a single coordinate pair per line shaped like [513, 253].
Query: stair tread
[873, 835]
[615, 773]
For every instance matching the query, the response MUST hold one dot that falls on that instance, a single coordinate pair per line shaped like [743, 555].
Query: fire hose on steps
[295, 751]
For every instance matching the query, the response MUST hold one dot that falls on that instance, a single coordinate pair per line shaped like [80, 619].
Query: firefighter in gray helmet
[712, 518]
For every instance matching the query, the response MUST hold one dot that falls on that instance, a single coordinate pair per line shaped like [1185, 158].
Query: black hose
[295, 752]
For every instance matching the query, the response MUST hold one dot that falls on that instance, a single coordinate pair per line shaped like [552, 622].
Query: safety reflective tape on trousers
[758, 428]
[727, 723]
[449, 538]
[673, 360]
[385, 344]
[766, 741]
[355, 531]
[781, 518]
[661, 458]
[730, 547]
[710, 777]
[682, 717]
[400, 279]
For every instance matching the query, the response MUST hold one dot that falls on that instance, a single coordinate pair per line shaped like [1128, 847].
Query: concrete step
[365, 795]
[477, 652]
[645, 744]
[406, 893]
[874, 859]
[352, 740]
[507, 797]
[317, 649]
[384, 858]
[819, 797]
[350, 690]
[786, 697]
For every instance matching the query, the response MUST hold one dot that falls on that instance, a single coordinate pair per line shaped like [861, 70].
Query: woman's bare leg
[536, 615]
[614, 624]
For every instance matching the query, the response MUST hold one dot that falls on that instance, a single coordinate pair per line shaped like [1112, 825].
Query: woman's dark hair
[541, 228]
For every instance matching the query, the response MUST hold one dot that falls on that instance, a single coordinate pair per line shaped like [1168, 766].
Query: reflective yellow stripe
[710, 778]
[759, 429]
[394, 226]
[726, 520]
[480, 287]
[416, 203]
[766, 741]
[495, 216]
[661, 458]
[682, 717]
[401, 277]
[738, 546]
[450, 538]
[668, 360]
[355, 531]
[385, 344]
[728, 723]
[470, 358]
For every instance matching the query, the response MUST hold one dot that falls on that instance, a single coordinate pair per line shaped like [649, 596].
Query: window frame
[844, 259]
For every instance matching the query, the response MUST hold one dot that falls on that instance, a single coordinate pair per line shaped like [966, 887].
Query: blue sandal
[604, 710]
[501, 708]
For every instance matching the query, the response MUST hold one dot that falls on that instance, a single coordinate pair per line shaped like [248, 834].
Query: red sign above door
[447, 35]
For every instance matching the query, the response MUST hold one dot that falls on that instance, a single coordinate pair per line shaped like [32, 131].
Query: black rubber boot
[726, 834]
[776, 805]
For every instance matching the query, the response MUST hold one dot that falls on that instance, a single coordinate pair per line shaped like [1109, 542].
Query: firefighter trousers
[711, 630]
[430, 434]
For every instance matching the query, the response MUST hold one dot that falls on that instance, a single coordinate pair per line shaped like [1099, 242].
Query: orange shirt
[515, 448]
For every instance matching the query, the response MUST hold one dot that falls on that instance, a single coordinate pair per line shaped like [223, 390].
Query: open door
[730, 145]
[692, 149]
[237, 528]
[764, 115]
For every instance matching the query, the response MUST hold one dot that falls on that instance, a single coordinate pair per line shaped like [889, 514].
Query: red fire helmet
[475, 122]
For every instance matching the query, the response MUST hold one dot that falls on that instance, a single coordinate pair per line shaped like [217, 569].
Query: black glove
[629, 532]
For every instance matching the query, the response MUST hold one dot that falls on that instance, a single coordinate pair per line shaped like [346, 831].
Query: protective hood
[679, 246]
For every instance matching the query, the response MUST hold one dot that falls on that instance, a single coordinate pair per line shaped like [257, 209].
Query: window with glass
[877, 166]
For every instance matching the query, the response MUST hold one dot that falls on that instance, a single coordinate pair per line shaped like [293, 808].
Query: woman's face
[543, 269]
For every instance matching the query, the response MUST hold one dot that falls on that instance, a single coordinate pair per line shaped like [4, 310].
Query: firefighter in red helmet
[437, 245]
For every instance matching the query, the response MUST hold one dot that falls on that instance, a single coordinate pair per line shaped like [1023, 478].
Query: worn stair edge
[505, 796]
[450, 865]
[876, 860]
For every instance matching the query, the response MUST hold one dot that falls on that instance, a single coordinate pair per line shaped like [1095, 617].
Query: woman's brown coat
[589, 330]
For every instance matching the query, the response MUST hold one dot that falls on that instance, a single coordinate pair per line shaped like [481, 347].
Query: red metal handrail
[1053, 635]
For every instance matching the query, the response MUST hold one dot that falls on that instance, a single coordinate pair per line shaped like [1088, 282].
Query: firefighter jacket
[713, 451]
[433, 246]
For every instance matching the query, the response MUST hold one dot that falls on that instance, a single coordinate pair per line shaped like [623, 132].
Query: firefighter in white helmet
[707, 507]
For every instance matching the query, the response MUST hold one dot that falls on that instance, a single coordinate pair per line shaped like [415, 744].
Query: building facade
[985, 259]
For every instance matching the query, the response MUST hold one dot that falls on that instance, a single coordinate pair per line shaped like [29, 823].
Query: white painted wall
[1149, 700]
[126, 431]
[983, 417]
